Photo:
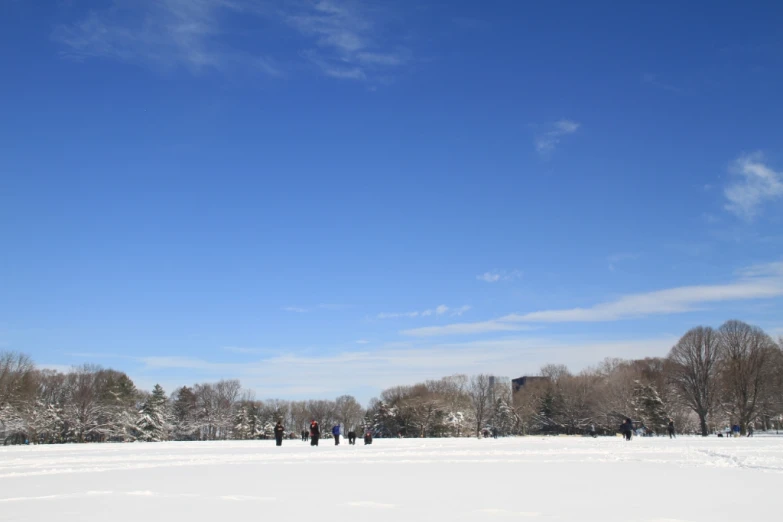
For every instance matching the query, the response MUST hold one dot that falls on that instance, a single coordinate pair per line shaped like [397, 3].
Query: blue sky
[333, 197]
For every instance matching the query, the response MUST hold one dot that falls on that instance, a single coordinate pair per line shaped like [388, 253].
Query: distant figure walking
[494, 433]
[305, 435]
[279, 432]
[627, 428]
[336, 433]
[352, 437]
[670, 429]
[315, 433]
[750, 430]
[592, 431]
[367, 438]
[736, 430]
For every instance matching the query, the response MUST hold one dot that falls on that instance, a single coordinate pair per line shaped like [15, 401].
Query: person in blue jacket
[336, 433]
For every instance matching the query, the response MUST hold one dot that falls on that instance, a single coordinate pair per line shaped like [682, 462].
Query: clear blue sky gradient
[285, 192]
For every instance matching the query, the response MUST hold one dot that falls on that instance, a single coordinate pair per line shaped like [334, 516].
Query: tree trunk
[703, 422]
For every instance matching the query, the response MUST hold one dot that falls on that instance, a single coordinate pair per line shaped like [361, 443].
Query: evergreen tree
[184, 412]
[152, 423]
[242, 423]
[649, 408]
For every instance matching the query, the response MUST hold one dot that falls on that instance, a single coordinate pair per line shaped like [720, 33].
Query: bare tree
[479, 391]
[746, 352]
[16, 383]
[694, 371]
[348, 411]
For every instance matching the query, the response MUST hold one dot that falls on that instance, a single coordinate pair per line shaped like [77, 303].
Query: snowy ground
[558, 478]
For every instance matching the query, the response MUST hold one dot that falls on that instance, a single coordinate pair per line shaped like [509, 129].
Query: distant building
[520, 382]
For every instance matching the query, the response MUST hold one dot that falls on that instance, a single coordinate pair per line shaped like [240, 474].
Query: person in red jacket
[315, 433]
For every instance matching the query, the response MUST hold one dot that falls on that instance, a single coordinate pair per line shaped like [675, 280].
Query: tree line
[710, 379]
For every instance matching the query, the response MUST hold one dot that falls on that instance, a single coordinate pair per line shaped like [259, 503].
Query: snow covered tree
[184, 413]
[649, 409]
[152, 424]
[504, 418]
[244, 424]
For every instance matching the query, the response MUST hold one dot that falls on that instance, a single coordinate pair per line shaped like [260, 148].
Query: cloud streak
[440, 310]
[343, 39]
[499, 275]
[347, 40]
[756, 282]
[164, 34]
[754, 185]
[547, 141]
[390, 365]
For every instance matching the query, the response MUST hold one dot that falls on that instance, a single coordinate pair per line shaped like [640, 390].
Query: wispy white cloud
[347, 38]
[293, 375]
[464, 329]
[547, 141]
[164, 33]
[754, 185]
[461, 310]
[763, 281]
[439, 310]
[614, 259]
[397, 315]
[295, 309]
[499, 275]
[362, 341]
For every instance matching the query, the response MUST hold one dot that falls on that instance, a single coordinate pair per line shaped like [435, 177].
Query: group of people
[736, 431]
[627, 429]
[314, 434]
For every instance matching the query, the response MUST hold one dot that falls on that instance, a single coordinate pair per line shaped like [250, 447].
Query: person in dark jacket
[670, 429]
[336, 434]
[627, 428]
[351, 437]
[305, 435]
[367, 438]
[315, 433]
[279, 432]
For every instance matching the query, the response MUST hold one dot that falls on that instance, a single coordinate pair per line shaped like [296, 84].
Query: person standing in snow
[279, 432]
[627, 428]
[750, 430]
[592, 431]
[367, 438]
[336, 433]
[670, 429]
[315, 433]
[352, 437]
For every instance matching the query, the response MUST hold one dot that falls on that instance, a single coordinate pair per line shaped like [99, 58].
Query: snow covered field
[558, 478]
